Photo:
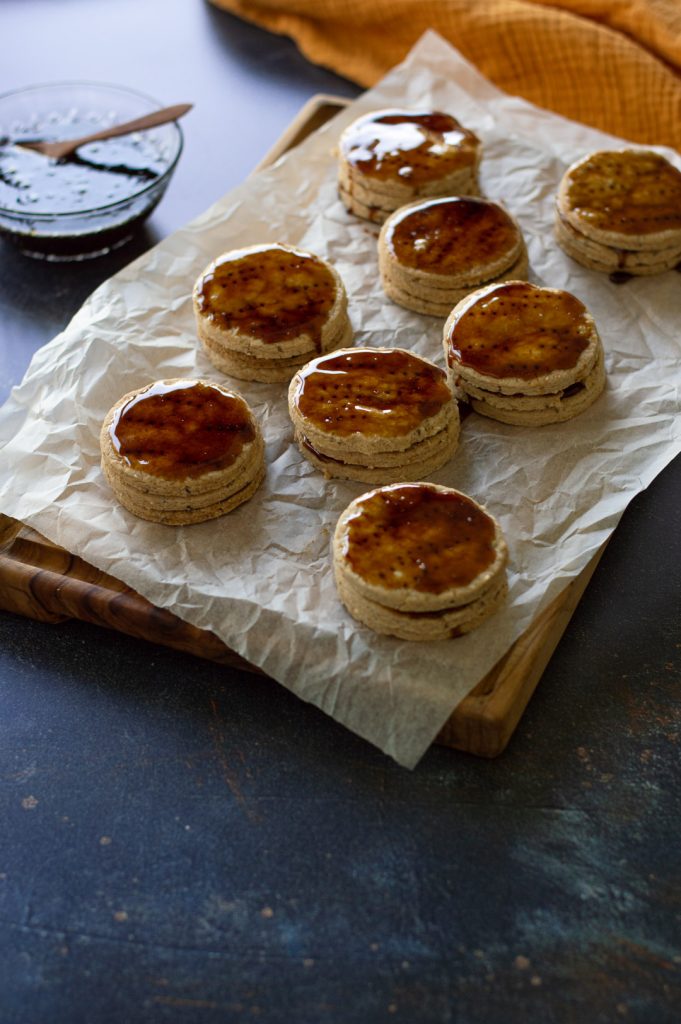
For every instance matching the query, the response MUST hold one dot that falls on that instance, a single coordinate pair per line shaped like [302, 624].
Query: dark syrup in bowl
[91, 202]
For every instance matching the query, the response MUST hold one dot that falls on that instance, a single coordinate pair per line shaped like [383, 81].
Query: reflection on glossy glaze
[182, 430]
[374, 392]
[273, 293]
[631, 192]
[519, 330]
[414, 536]
[445, 236]
[412, 146]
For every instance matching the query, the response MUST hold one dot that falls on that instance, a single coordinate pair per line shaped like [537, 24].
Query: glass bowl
[92, 202]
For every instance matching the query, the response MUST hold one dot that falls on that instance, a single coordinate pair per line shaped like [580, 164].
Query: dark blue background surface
[182, 842]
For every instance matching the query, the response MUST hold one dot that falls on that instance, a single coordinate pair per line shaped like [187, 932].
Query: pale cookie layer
[143, 495]
[540, 410]
[189, 515]
[596, 256]
[391, 196]
[417, 462]
[440, 301]
[427, 626]
[267, 370]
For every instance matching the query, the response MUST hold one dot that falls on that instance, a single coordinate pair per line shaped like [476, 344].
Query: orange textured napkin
[612, 64]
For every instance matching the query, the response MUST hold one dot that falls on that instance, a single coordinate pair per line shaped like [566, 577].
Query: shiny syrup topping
[182, 430]
[414, 146]
[413, 536]
[273, 293]
[519, 330]
[384, 393]
[633, 193]
[448, 235]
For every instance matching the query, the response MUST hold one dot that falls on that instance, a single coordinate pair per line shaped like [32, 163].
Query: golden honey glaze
[179, 430]
[445, 236]
[417, 537]
[408, 145]
[274, 293]
[519, 330]
[377, 392]
[631, 192]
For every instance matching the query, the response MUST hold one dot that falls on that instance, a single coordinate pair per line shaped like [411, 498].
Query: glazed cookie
[263, 311]
[433, 252]
[374, 415]
[523, 354]
[419, 561]
[390, 157]
[182, 451]
[620, 213]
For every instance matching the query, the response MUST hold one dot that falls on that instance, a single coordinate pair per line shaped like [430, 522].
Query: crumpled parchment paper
[261, 578]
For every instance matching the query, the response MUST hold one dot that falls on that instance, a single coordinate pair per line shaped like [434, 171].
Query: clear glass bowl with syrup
[92, 202]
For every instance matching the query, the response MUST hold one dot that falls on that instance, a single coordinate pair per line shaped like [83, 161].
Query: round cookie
[419, 561]
[390, 157]
[263, 311]
[182, 451]
[374, 415]
[523, 354]
[433, 252]
[620, 212]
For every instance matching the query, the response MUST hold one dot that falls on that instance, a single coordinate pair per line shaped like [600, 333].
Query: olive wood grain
[40, 580]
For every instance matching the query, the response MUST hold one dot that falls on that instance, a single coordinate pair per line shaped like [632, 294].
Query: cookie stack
[263, 311]
[523, 354]
[391, 157]
[419, 561]
[182, 451]
[620, 213]
[374, 415]
[433, 252]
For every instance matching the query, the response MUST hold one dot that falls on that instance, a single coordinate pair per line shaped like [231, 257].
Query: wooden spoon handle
[152, 120]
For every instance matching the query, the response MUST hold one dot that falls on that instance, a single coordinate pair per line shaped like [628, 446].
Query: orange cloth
[612, 64]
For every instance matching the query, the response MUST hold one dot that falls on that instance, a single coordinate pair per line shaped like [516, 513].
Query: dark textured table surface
[184, 842]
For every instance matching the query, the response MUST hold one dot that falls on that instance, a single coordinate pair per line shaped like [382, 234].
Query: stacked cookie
[419, 561]
[263, 311]
[374, 415]
[523, 354]
[620, 213]
[433, 252]
[182, 451]
[391, 157]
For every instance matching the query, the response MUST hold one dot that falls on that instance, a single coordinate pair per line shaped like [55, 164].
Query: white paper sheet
[260, 578]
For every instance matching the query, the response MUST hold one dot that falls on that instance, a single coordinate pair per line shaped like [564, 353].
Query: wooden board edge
[485, 720]
[316, 112]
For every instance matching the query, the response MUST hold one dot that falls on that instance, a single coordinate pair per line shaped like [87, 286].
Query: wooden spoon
[58, 150]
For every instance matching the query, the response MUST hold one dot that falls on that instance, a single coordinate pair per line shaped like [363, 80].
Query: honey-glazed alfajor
[433, 252]
[182, 451]
[620, 213]
[419, 561]
[390, 157]
[374, 415]
[264, 310]
[524, 355]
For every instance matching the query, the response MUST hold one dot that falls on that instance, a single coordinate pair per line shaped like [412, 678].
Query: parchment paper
[261, 577]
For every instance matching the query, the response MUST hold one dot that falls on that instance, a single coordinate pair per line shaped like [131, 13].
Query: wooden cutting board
[42, 581]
